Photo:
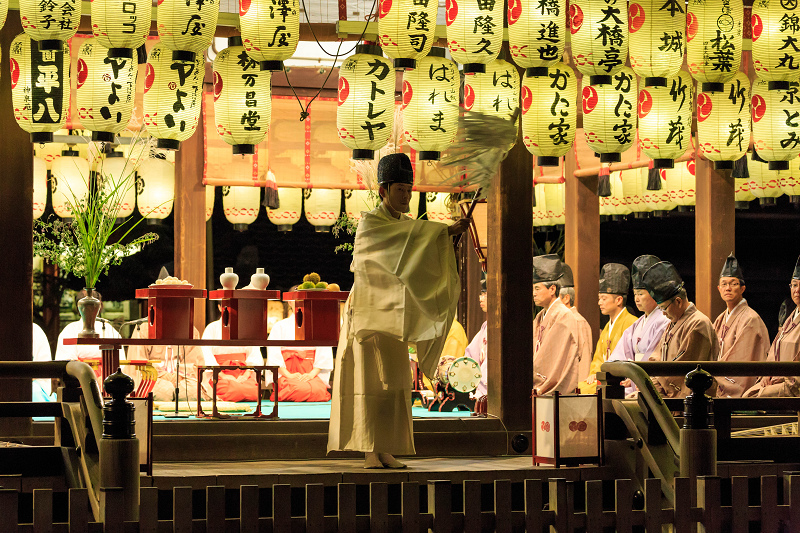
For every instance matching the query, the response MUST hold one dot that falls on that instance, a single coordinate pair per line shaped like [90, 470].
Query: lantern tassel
[604, 185]
[653, 179]
[271, 199]
[740, 169]
[482, 143]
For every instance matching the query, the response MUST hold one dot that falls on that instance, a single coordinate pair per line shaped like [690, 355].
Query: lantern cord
[360, 38]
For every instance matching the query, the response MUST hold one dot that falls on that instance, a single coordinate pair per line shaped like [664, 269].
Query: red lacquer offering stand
[244, 312]
[170, 310]
[316, 314]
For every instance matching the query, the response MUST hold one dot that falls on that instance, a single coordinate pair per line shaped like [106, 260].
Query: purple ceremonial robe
[639, 340]
[476, 350]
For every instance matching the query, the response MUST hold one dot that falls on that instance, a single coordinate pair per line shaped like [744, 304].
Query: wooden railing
[547, 503]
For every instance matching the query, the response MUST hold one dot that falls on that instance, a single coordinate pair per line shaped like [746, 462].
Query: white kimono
[283, 330]
[406, 289]
[214, 331]
[41, 352]
[83, 351]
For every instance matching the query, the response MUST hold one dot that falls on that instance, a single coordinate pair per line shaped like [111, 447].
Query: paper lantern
[555, 203]
[776, 124]
[723, 122]
[549, 120]
[681, 184]
[39, 87]
[660, 201]
[634, 190]
[121, 26]
[609, 115]
[209, 201]
[539, 211]
[172, 97]
[155, 188]
[106, 90]
[291, 206]
[242, 98]
[665, 119]
[567, 429]
[357, 201]
[599, 40]
[764, 183]
[790, 184]
[536, 32]
[437, 207]
[774, 35]
[39, 187]
[52, 24]
[430, 105]
[406, 29]
[270, 30]
[241, 205]
[69, 182]
[617, 203]
[474, 32]
[187, 27]
[3, 12]
[117, 176]
[657, 39]
[742, 194]
[365, 110]
[322, 207]
[494, 92]
[714, 41]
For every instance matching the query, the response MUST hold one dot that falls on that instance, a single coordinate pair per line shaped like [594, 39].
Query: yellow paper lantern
[764, 183]
[494, 92]
[599, 39]
[322, 207]
[618, 201]
[291, 206]
[536, 32]
[657, 39]
[665, 119]
[106, 90]
[430, 105]
[406, 29]
[775, 32]
[52, 24]
[241, 205]
[555, 203]
[723, 122]
[438, 207]
[69, 182]
[270, 30]
[659, 201]
[39, 187]
[714, 41]
[39, 87]
[365, 110]
[173, 92]
[609, 115]
[474, 32]
[549, 119]
[681, 184]
[634, 191]
[358, 201]
[118, 173]
[187, 27]
[3, 12]
[209, 201]
[776, 124]
[790, 184]
[242, 98]
[121, 26]
[539, 213]
[742, 194]
[155, 188]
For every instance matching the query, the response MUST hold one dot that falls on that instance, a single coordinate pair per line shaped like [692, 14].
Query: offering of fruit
[313, 278]
[171, 280]
[306, 285]
[333, 287]
[321, 285]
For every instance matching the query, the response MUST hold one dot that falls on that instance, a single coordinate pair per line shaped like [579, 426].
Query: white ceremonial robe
[213, 331]
[41, 352]
[405, 289]
[283, 330]
[83, 351]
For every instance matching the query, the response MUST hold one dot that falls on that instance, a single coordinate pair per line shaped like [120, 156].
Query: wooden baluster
[682, 516]
[315, 507]
[248, 509]
[42, 510]
[624, 507]
[9, 504]
[792, 496]
[111, 500]
[440, 506]
[769, 504]
[472, 506]
[281, 508]
[378, 507]
[347, 508]
[739, 504]
[534, 514]
[215, 509]
[502, 506]
[182, 509]
[410, 506]
[594, 506]
[558, 504]
[652, 504]
[78, 520]
[708, 499]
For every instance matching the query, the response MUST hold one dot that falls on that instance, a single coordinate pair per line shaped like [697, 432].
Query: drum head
[464, 374]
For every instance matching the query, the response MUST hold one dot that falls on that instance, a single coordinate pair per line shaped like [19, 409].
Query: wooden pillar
[190, 217]
[715, 233]
[509, 288]
[582, 241]
[16, 241]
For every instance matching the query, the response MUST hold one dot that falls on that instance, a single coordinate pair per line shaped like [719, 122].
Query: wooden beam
[190, 217]
[16, 241]
[715, 233]
[509, 284]
[582, 241]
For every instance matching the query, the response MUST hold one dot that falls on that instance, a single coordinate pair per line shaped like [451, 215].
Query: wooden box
[170, 310]
[567, 429]
[316, 314]
[244, 312]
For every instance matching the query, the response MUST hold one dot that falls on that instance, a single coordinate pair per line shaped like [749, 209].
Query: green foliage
[344, 228]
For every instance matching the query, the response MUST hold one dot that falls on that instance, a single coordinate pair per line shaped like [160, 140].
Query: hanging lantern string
[304, 112]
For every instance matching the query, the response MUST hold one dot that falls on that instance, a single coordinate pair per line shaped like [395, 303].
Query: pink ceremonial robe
[785, 347]
[555, 350]
[742, 337]
[476, 350]
[584, 343]
[639, 340]
[691, 338]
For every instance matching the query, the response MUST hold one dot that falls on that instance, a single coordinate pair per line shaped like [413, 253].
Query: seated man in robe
[612, 297]
[83, 352]
[304, 373]
[476, 349]
[584, 335]
[233, 385]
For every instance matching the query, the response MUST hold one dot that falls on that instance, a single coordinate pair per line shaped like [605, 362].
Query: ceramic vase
[88, 307]
[229, 279]
[259, 280]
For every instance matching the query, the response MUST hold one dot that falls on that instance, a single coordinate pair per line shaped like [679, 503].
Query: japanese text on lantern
[549, 32]
[672, 42]
[443, 72]
[623, 108]
[792, 118]
[737, 95]
[484, 26]
[611, 36]
[378, 70]
[129, 9]
[559, 109]
[250, 117]
[789, 25]
[418, 20]
[503, 80]
[116, 64]
[48, 82]
[55, 15]
[280, 9]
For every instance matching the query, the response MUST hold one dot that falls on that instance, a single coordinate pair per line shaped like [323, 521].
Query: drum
[463, 374]
[441, 370]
